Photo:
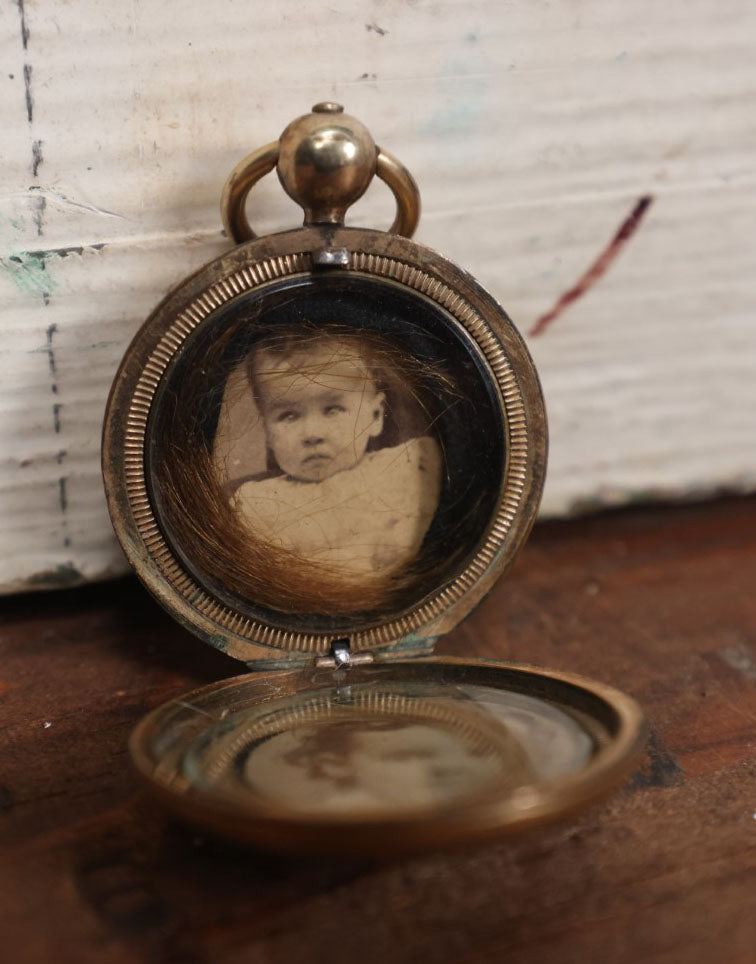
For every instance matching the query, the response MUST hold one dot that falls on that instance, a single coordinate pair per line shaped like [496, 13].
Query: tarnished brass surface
[325, 161]
[238, 185]
[391, 170]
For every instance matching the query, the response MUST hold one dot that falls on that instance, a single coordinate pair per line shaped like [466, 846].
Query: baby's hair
[389, 370]
[369, 352]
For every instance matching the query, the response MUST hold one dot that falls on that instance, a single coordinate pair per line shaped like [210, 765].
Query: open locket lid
[320, 452]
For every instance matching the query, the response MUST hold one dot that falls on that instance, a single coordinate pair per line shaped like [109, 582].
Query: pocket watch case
[320, 451]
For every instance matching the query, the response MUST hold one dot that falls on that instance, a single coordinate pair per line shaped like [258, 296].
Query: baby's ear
[379, 411]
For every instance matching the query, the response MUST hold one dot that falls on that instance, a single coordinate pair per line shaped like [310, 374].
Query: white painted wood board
[532, 127]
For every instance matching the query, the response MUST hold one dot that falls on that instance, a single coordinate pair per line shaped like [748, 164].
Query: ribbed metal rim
[232, 629]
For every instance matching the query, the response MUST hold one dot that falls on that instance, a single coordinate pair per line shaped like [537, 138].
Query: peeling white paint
[532, 130]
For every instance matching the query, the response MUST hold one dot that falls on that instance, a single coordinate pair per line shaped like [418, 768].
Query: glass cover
[382, 744]
[325, 450]
[385, 750]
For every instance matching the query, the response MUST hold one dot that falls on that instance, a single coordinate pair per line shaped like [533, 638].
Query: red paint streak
[599, 267]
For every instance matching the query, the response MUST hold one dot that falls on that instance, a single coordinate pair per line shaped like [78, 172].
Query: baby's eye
[288, 415]
[334, 409]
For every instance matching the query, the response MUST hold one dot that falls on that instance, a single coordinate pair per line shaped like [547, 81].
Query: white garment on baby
[371, 518]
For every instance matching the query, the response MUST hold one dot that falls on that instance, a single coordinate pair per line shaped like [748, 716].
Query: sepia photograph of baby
[310, 464]
[333, 489]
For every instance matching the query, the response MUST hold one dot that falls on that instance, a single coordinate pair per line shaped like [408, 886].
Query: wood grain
[658, 601]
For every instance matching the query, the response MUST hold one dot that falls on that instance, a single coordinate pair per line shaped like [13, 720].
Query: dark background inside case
[467, 421]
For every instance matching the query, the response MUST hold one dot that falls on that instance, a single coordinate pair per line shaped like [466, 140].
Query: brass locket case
[320, 451]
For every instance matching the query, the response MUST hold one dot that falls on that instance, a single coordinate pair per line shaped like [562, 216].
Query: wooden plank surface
[533, 128]
[657, 601]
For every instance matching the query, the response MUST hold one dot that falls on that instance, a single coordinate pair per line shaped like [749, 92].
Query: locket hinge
[342, 657]
[328, 257]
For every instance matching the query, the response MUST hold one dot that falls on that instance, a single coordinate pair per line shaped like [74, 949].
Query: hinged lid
[387, 758]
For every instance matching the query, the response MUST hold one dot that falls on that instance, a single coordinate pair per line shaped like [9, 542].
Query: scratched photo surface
[327, 454]
[318, 452]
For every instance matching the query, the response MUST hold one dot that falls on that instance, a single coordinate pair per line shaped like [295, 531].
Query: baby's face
[320, 409]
